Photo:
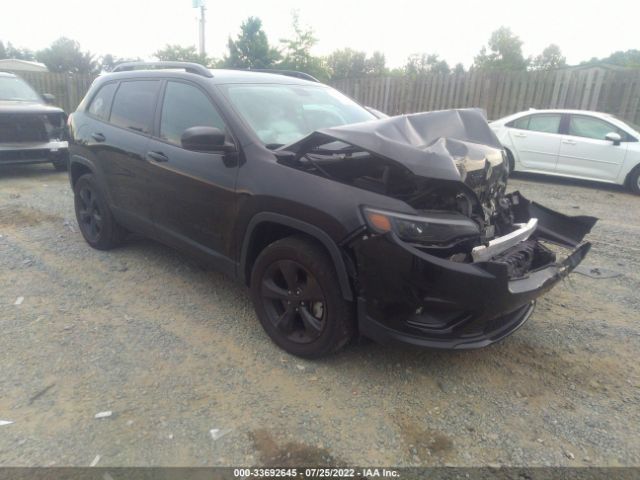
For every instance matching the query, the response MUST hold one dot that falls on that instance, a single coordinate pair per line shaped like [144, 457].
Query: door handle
[98, 137]
[520, 135]
[569, 142]
[157, 157]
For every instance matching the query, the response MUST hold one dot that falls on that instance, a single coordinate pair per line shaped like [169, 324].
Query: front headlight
[434, 227]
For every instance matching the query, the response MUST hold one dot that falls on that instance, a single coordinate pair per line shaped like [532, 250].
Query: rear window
[134, 105]
[101, 103]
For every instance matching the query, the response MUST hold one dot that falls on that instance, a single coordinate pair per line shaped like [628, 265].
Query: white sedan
[572, 143]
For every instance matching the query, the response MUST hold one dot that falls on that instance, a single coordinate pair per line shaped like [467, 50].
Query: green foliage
[348, 63]
[376, 64]
[64, 55]
[627, 58]
[178, 53]
[9, 51]
[108, 62]
[422, 64]
[458, 69]
[297, 51]
[505, 52]
[251, 48]
[551, 58]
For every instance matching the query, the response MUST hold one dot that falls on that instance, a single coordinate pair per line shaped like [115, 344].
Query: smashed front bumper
[413, 297]
[33, 152]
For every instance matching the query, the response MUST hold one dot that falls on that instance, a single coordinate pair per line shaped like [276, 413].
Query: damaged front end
[463, 265]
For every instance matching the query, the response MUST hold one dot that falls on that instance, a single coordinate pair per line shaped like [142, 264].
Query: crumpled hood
[442, 145]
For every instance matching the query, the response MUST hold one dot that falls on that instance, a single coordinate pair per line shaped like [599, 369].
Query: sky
[454, 29]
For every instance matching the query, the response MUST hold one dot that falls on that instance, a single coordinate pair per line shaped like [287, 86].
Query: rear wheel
[294, 289]
[94, 216]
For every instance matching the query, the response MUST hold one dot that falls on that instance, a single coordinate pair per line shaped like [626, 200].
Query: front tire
[97, 224]
[633, 181]
[296, 295]
[61, 165]
[511, 163]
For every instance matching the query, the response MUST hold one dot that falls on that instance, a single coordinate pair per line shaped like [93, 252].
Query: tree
[627, 58]
[505, 52]
[347, 63]
[178, 53]
[64, 55]
[422, 63]
[251, 48]
[458, 69]
[376, 64]
[3, 51]
[108, 62]
[19, 53]
[550, 59]
[297, 51]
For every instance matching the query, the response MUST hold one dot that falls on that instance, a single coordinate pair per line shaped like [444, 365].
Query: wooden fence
[499, 93]
[502, 93]
[69, 89]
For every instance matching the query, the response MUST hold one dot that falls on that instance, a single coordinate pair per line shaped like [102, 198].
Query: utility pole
[202, 23]
[200, 4]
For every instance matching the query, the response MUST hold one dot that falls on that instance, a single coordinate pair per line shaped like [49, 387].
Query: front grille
[23, 128]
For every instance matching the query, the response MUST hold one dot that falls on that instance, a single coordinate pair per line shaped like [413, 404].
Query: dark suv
[340, 222]
[30, 130]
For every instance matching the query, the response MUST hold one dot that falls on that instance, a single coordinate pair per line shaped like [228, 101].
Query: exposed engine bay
[445, 165]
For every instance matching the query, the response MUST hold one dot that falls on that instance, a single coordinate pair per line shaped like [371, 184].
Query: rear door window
[101, 103]
[134, 105]
[544, 122]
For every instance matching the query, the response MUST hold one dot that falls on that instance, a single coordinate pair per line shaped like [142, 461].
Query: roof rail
[186, 66]
[288, 73]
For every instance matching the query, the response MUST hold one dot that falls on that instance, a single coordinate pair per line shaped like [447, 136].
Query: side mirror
[613, 137]
[205, 139]
[48, 98]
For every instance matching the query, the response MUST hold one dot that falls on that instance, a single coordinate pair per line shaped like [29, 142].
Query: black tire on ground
[297, 297]
[97, 225]
[61, 165]
[512, 163]
[633, 181]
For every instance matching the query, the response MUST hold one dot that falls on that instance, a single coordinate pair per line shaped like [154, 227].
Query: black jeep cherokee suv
[340, 222]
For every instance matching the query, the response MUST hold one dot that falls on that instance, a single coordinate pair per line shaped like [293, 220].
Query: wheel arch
[267, 227]
[78, 166]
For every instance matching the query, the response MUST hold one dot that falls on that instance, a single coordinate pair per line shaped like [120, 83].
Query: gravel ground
[175, 351]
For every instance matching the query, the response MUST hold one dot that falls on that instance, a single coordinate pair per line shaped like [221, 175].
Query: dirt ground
[175, 351]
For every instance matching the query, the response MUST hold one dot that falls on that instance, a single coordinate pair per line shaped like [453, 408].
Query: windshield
[627, 122]
[283, 114]
[12, 88]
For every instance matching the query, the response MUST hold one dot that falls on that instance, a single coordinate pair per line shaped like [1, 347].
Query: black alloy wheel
[294, 301]
[89, 215]
[97, 225]
[298, 299]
